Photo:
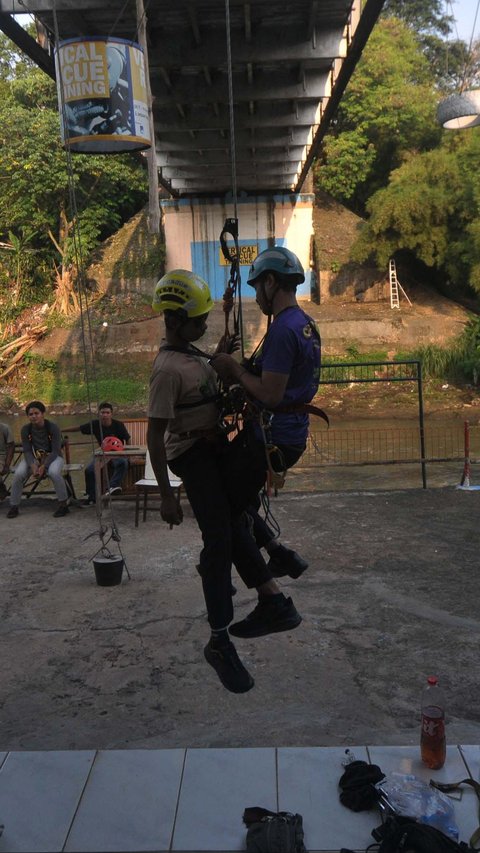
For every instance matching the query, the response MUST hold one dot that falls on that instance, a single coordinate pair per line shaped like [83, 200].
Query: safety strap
[190, 350]
[276, 478]
[446, 787]
[292, 408]
[214, 398]
[49, 435]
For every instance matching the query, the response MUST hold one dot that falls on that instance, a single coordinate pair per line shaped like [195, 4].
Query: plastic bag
[408, 795]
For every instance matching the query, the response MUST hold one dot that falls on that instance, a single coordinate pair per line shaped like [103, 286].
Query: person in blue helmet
[282, 377]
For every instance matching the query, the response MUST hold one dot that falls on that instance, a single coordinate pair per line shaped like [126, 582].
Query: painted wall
[192, 229]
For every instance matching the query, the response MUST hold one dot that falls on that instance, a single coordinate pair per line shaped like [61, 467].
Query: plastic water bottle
[432, 738]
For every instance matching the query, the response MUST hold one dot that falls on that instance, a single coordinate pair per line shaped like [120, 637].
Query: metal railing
[382, 446]
[350, 373]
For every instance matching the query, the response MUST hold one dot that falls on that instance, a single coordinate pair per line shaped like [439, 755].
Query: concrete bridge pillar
[192, 229]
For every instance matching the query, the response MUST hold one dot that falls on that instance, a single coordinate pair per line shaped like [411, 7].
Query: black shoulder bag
[273, 832]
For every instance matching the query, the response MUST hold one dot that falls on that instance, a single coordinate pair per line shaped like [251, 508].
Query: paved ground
[391, 596]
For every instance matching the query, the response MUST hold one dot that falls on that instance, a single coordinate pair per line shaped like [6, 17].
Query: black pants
[221, 479]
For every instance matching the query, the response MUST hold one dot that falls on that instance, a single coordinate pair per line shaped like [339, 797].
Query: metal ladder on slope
[395, 286]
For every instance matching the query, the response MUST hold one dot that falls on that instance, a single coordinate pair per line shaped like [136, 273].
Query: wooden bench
[32, 485]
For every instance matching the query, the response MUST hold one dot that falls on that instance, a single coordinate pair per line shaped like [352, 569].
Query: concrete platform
[186, 800]
[389, 598]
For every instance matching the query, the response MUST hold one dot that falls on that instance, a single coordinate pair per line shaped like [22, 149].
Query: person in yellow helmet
[219, 476]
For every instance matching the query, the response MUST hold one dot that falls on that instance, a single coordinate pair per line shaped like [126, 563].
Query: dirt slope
[368, 327]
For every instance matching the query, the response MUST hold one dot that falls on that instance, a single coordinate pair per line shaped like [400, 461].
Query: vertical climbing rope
[105, 532]
[233, 290]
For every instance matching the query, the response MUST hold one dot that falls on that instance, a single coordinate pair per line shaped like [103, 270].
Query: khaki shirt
[180, 378]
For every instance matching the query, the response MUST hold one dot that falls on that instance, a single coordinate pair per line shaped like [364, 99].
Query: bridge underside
[290, 61]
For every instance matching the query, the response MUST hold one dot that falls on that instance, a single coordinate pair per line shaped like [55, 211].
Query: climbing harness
[43, 453]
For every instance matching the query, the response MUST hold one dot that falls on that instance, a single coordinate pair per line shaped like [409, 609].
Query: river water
[348, 456]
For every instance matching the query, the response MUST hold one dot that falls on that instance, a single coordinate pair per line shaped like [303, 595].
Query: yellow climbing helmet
[182, 289]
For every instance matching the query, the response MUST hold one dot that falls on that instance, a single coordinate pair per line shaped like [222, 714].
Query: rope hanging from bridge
[107, 528]
[233, 290]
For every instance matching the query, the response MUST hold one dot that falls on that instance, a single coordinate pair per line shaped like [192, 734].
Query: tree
[423, 16]
[431, 209]
[39, 183]
[387, 112]
[14, 64]
[452, 62]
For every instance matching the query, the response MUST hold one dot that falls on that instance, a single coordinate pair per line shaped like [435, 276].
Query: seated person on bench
[117, 468]
[7, 451]
[42, 457]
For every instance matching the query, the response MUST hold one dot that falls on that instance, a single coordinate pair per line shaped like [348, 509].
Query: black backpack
[273, 832]
[404, 835]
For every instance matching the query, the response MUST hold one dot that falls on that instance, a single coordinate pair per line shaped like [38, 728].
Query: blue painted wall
[205, 262]
[205, 253]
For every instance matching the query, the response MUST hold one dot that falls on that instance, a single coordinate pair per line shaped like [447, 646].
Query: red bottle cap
[432, 679]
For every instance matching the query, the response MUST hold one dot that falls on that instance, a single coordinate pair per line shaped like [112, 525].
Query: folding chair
[148, 485]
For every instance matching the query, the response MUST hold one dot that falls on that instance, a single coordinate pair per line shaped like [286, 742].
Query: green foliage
[387, 112]
[36, 287]
[430, 208]
[50, 388]
[149, 263]
[447, 58]
[347, 163]
[437, 361]
[352, 352]
[458, 362]
[41, 363]
[39, 179]
[421, 15]
[13, 63]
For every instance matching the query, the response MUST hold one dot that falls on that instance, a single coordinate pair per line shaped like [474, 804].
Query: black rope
[85, 319]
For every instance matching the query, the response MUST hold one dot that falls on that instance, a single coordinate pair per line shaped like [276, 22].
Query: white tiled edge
[39, 795]
[126, 806]
[218, 784]
[308, 783]
[129, 802]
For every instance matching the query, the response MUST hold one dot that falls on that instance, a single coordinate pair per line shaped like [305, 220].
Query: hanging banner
[102, 95]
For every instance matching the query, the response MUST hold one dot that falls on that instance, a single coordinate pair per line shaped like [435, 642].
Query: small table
[101, 457]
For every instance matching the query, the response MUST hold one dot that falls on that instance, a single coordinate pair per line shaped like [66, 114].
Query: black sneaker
[228, 667]
[284, 561]
[61, 511]
[12, 512]
[269, 617]
[88, 502]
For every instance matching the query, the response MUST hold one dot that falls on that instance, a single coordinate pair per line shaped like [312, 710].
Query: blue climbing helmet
[277, 259]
